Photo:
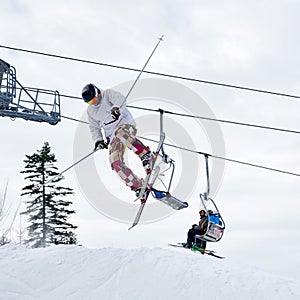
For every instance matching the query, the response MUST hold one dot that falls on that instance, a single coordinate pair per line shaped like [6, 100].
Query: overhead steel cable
[154, 73]
[73, 119]
[211, 155]
[188, 79]
[199, 117]
[226, 159]
[205, 118]
[219, 120]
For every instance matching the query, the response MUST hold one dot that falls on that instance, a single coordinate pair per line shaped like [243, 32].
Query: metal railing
[31, 104]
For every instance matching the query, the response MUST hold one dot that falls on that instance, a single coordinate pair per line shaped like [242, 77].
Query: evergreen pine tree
[47, 212]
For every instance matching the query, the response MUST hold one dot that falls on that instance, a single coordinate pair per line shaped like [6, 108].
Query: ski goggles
[92, 101]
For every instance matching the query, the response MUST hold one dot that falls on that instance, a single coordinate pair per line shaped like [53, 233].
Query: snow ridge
[74, 272]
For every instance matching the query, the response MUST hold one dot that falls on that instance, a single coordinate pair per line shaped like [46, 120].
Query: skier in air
[107, 110]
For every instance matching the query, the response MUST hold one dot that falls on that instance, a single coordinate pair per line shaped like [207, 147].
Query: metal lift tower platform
[30, 104]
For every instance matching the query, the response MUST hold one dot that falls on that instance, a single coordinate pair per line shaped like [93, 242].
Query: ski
[181, 245]
[147, 185]
[198, 250]
[214, 255]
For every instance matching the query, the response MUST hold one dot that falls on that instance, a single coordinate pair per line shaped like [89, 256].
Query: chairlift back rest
[213, 233]
[215, 218]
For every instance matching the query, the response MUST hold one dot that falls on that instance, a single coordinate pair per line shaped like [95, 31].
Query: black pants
[191, 238]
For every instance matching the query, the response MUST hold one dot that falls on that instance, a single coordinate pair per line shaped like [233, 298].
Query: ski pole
[73, 165]
[159, 40]
[140, 73]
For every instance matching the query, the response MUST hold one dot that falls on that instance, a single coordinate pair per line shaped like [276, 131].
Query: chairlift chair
[165, 195]
[215, 225]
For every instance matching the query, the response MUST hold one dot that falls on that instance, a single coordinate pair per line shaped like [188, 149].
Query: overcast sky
[235, 42]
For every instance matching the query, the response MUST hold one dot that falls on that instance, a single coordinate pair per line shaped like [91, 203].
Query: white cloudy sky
[236, 42]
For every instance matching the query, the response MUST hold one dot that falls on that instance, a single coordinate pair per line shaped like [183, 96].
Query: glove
[101, 145]
[115, 112]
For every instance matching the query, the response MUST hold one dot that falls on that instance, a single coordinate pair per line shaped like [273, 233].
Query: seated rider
[197, 230]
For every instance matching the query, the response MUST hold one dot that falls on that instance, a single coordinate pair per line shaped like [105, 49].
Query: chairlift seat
[213, 233]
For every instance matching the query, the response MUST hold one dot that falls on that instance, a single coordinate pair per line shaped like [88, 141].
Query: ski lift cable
[235, 122]
[206, 154]
[224, 158]
[220, 120]
[193, 116]
[214, 156]
[218, 157]
[73, 119]
[155, 73]
[189, 79]
[209, 119]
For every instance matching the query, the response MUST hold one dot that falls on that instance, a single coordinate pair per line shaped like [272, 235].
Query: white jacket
[100, 114]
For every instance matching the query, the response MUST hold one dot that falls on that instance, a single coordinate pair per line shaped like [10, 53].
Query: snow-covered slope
[73, 272]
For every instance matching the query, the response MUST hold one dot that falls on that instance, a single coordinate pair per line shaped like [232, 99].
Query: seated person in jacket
[197, 230]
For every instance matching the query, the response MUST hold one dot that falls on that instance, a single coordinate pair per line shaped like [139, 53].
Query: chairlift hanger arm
[164, 155]
[207, 176]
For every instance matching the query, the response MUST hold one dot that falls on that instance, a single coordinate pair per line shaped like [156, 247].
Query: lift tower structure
[31, 104]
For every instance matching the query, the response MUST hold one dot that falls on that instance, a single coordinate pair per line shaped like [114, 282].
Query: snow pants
[191, 237]
[125, 136]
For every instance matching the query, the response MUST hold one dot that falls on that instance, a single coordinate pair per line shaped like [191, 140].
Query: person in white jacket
[107, 110]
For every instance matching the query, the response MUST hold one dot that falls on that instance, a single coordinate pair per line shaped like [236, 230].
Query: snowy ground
[74, 272]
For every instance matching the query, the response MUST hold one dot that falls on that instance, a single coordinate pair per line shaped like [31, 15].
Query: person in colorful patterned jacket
[107, 110]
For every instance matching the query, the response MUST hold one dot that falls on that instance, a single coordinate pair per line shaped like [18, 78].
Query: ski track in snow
[74, 272]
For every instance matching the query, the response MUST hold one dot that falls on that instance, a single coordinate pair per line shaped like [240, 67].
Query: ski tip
[131, 226]
[217, 256]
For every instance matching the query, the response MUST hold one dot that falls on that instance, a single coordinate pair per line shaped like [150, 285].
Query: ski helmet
[89, 92]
